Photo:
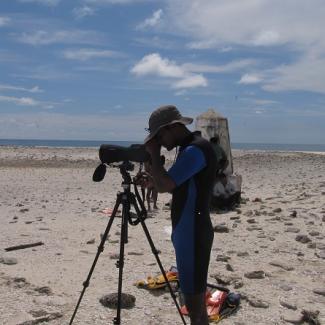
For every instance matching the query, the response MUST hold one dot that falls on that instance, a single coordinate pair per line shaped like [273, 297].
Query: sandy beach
[271, 249]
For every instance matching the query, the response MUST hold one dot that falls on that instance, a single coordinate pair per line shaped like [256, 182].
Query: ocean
[96, 144]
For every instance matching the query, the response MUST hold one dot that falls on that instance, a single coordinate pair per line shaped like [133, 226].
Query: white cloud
[225, 68]
[307, 74]
[152, 21]
[249, 79]
[154, 64]
[35, 89]
[267, 38]
[191, 81]
[83, 12]
[87, 54]
[113, 2]
[4, 21]
[295, 26]
[42, 2]
[22, 101]
[42, 37]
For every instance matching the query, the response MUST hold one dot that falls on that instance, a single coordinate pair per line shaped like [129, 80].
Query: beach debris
[46, 318]
[223, 258]
[285, 303]
[319, 291]
[292, 229]
[8, 260]
[13, 248]
[257, 303]
[282, 265]
[293, 214]
[304, 239]
[47, 291]
[221, 228]
[320, 254]
[255, 275]
[110, 300]
[310, 317]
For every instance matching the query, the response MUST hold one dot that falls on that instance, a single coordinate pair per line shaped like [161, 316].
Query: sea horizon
[126, 143]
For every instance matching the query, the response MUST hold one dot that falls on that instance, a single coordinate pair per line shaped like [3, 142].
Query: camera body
[111, 153]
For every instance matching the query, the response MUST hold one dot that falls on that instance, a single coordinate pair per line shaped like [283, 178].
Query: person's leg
[196, 307]
[154, 198]
[148, 197]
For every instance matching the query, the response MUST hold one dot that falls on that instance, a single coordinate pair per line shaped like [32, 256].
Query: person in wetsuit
[190, 180]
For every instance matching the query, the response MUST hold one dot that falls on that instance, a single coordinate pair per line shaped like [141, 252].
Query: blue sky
[95, 69]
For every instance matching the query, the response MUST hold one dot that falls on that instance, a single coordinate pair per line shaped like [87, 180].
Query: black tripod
[127, 199]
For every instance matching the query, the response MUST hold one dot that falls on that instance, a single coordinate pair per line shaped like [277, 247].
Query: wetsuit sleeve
[190, 161]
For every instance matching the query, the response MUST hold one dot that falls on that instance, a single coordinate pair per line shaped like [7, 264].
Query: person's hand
[144, 179]
[153, 147]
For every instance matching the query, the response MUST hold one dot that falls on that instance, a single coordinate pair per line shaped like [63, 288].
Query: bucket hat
[163, 116]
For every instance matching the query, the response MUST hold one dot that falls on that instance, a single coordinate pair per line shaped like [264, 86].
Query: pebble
[292, 317]
[292, 229]
[286, 304]
[282, 265]
[293, 214]
[319, 292]
[257, 303]
[8, 260]
[223, 258]
[255, 275]
[91, 241]
[285, 287]
[221, 229]
[303, 239]
[110, 300]
[242, 254]
[277, 210]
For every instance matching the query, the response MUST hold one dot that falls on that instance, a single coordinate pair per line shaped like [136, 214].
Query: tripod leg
[156, 253]
[120, 263]
[99, 250]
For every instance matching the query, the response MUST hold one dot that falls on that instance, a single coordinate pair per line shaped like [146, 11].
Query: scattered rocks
[223, 258]
[282, 265]
[255, 275]
[8, 260]
[285, 303]
[221, 229]
[304, 239]
[319, 292]
[292, 229]
[320, 254]
[242, 254]
[285, 287]
[110, 300]
[257, 303]
[44, 291]
[293, 214]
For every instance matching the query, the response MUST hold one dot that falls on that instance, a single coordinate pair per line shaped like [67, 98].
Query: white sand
[47, 195]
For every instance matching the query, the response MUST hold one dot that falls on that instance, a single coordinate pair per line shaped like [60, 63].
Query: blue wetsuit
[194, 174]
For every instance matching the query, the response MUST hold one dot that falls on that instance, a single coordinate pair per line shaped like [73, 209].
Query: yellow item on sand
[157, 281]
